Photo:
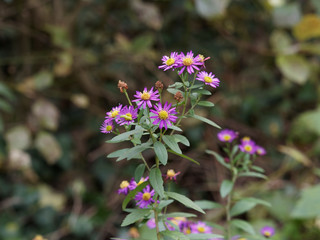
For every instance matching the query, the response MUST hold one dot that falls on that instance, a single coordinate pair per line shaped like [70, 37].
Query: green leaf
[294, 67]
[155, 178]
[219, 158]
[176, 85]
[246, 204]
[308, 121]
[202, 91]
[185, 201]
[175, 128]
[226, 188]
[174, 235]
[118, 153]
[206, 104]
[206, 120]
[161, 152]
[134, 216]
[212, 9]
[6, 92]
[258, 169]
[184, 156]
[164, 203]
[133, 152]
[205, 204]
[182, 139]
[308, 205]
[245, 226]
[252, 174]
[4, 106]
[179, 214]
[139, 172]
[132, 194]
[171, 143]
[125, 136]
[203, 236]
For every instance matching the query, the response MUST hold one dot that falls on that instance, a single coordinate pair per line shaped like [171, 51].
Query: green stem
[127, 96]
[157, 223]
[228, 207]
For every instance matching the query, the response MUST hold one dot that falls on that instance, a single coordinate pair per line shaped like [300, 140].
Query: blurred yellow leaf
[64, 65]
[46, 114]
[296, 155]
[19, 159]
[80, 100]
[48, 146]
[18, 137]
[308, 27]
[49, 198]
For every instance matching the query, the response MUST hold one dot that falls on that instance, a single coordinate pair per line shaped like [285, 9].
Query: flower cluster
[247, 145]
[190, 63]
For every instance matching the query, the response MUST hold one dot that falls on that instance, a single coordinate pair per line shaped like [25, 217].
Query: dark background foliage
[60, 61]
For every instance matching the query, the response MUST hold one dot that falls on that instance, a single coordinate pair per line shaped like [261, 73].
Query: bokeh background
[60, 61]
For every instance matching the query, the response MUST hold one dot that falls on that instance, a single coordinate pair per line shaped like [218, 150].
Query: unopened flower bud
[122, 85]
[134, 233]
[159, 85]
[178, 96]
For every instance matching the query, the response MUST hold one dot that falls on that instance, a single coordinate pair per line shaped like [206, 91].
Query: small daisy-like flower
[189, 62]
[114, 112]
[124, 188]
[260, 150]
[170, 62]
[200, 227]
[267, 231]
[227, 135]
[144, 198]
[172, 175]
[144, 98]
[248, 146]
[107, 126]
[134, 184]
[208, 79]
[151, 223]
[203, 59]
[164, 115]
[127, 115]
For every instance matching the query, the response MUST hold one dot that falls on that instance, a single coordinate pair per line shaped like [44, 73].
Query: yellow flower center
[145, 96]
[109, 128]
[163, 114]
[201, 229]
[171, 173]
[248, 148]
[141, 181]
[201, 57]
[124, 184]
[267, 233]
[227, 137]
[207, 79]
[146, 196]
[170, 61]
[127, 116]
[242, 239]
[187, 61]
[246, 139]
[114, 113]
[188, 231]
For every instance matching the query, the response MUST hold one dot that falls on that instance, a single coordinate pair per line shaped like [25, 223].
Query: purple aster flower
[127, 115]
[144, 98]
[170, 62]
[164, 115]
[134, 184]
[189, 62]
[227, 135]
[124, 188]
[267, 231]
[107, 126]
[203, 59]
[144, 198]
[114, 112]
[200, 227]
[260, 150]
[172, 175]
[248, 146]
[151, 223]
[208, 79]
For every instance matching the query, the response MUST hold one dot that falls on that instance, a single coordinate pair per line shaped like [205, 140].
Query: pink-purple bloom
[170, 62]
[267, 231]
[144, 98]
[260, 150]
[189, 62]
[107, 126]
[134, 184]
[227, 135]
[151, 223]
[200, 227]
[124, 188]
[144, 198]
[247, 146]
[127, 115]
[114, 112]
[164, 115]
[208, 79]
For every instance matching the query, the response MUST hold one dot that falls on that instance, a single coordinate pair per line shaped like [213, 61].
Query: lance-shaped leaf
[161, 152]
[125, 136]
[156, 181]
[171, 143]
[185, 201]
[206, 120]
[226, 188]
[184, 156]
[134, 216]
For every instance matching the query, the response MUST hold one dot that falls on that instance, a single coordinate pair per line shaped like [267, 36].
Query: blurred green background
[60, 61]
